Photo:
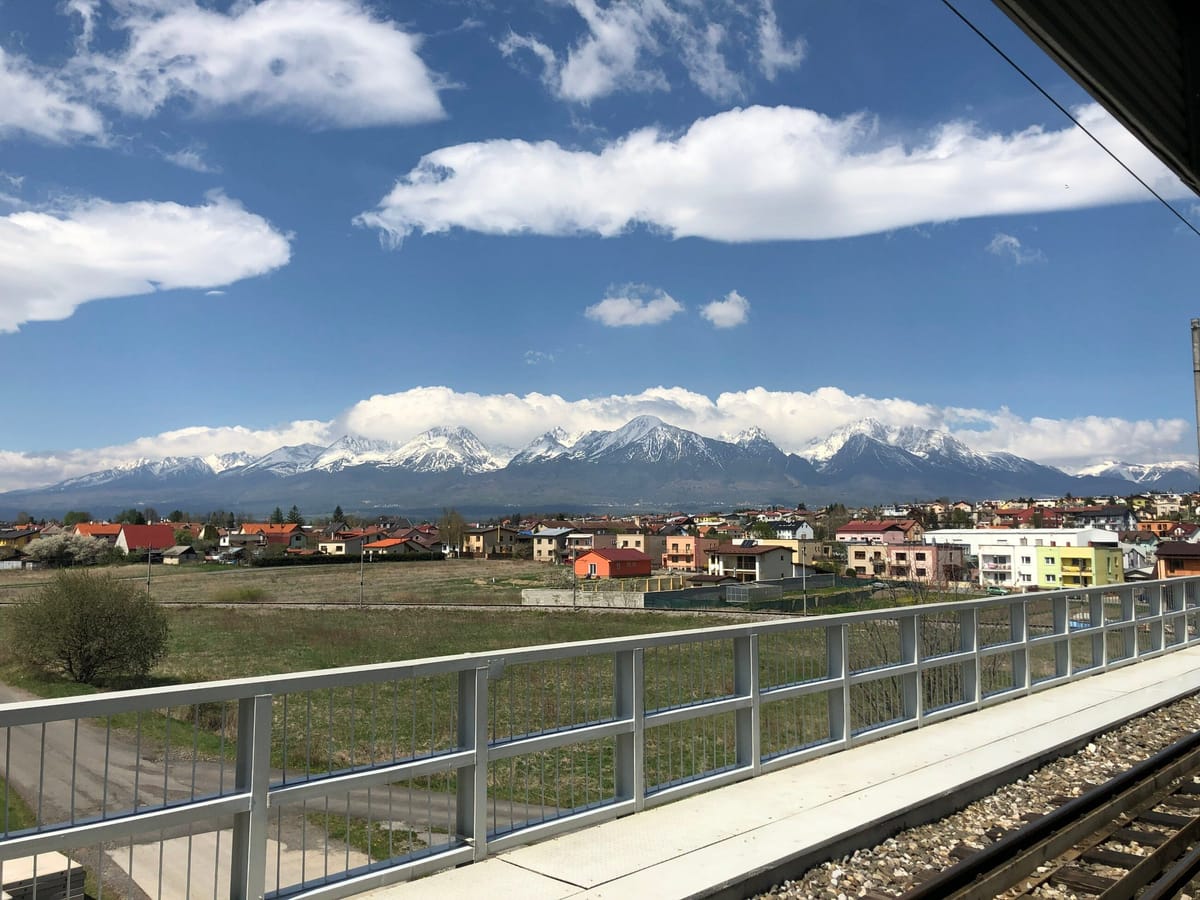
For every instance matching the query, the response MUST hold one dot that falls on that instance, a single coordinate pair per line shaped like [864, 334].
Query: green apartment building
[1073, 567]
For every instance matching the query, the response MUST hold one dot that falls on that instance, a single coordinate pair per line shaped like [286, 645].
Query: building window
[1026, 560]
[920, 573]
[1052, 578]
[860, 554]
[1025, 576]
[1049, 560]
[920, 557]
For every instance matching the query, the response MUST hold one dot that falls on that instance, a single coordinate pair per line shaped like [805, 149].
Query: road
[74, 771]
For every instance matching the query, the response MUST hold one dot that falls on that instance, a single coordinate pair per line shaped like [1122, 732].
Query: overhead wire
[1066, 112]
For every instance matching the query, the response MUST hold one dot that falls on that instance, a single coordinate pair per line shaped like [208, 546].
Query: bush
[240, 595]
[90, 627]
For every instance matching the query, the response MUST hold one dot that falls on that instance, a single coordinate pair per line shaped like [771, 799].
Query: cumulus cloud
[629, 306]
[624, 43]
[790, 418]
[38, 103]
[329, 62]
[734, 310]
[1009, 246]
[764, 173]
[537, 357]
[52, 261]
[23, 469]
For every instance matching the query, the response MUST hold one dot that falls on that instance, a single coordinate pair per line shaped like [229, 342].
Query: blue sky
[234, 226]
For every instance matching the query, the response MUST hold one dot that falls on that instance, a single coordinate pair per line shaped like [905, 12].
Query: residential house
[613, 562]
[653, 545]
[17, 537]
[688, 553]
[550, 544]
[793, 530]
[1068, 567]
[751, 561]
[288, 535]
[492, 540]
[180, 553]
[346, 543]
[867, 559]
[926, 563]
[580, 541]
[1113, 517]
[389, 547]
[145, 537]
[874, 531]
[1177, 559]
[105, 530]
[1185, 531]
[1160, 528]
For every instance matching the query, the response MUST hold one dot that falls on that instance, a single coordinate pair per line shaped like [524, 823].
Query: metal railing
[323, 784]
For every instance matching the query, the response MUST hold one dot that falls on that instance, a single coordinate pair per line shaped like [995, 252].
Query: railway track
[1136, 835]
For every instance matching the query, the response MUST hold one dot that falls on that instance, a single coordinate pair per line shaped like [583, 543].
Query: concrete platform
[712, 844]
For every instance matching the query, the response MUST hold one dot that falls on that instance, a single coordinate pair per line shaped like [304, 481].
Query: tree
[176, 515]
[761, 529]
[294, 517]
[61, 550]
[130, 517]
[338, 515]
[24, 518]
[451, 527]
[74, 517]
[277, 516]
[92, 628]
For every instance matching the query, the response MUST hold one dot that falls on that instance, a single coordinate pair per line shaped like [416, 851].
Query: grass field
[449, 581]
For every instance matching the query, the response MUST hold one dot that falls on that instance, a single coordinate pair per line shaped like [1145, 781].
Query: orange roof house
[288, 534]
[106, 530]
[613, 562]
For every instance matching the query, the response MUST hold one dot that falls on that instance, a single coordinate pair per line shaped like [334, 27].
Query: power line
[1066, 112]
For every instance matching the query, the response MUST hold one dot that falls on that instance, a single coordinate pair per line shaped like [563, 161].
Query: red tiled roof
[98, 529]
[156, 537]
[268, 529]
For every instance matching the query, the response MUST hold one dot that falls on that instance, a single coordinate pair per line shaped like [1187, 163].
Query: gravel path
[892, 867]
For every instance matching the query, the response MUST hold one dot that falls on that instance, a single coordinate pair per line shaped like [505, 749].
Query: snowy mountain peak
[820, 450]
[443, 449]
[349, 450]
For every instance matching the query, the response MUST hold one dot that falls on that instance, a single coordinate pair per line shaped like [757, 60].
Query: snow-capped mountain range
[646, 462]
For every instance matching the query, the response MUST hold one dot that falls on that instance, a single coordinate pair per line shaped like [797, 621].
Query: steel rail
[1002, 864]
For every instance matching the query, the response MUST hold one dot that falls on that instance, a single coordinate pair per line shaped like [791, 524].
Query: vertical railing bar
[7, 775]
[284, 740]
[137, 768]
[353, 706]
[248, 856]
[74, 764]
[42, 780]
[166, 754]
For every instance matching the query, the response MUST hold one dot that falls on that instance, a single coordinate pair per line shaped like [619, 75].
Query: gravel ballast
[896, 865]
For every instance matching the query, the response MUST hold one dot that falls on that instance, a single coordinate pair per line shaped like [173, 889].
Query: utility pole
[361, 573]
[1196, 375]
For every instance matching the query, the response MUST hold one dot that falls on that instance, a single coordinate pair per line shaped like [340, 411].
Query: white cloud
[329, 62]
[790, 418]
[1008, 245]
[628, 307]
[537, 357]
[775, 53]
[734, 310]
[214, 293]
[38, 103]
[192, 157]
[623, 42]
[51, 262]
[86, 10]
[766, 174]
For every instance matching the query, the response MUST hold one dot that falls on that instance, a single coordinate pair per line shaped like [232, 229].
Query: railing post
[1156, 620]
[248, 862]
[910, 654]
[1129, 641]
[748, 720]
[471, 805]
[968, 640]
[1062, 645]
[1018, 632]
[837, 656]
[1096, 619]
[629, 702]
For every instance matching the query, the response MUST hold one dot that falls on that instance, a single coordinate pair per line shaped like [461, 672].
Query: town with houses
[995, 546]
